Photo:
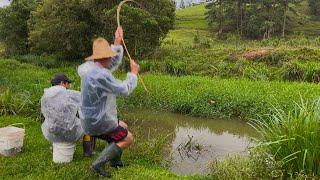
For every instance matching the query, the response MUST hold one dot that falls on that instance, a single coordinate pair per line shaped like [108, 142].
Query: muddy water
[194, 142]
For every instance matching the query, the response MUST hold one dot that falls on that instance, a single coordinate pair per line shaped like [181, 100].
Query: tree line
[67, 28]
[254, 18]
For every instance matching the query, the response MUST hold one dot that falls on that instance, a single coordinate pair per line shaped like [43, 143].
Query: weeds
[292, 137]
[258, 165]
[9, 103]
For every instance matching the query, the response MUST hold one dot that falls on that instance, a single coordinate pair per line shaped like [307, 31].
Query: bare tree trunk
[284, 18]
[238, 15]
[241, 19]
[221, 18]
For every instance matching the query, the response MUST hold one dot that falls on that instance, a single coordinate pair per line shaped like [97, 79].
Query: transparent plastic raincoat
[59, 106]
[99, 90]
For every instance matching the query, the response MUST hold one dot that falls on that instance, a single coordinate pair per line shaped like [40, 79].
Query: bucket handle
[18, 125]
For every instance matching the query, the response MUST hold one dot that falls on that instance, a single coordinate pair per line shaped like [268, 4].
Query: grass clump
[258, 165]
[292, 138]
[13, 104]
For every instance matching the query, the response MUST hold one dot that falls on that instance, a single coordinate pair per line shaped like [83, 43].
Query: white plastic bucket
[63, 152]
[11, 140]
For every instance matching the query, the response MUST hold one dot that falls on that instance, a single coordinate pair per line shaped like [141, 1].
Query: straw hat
[101, 49]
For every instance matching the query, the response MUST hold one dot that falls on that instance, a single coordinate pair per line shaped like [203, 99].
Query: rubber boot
[110, 153]
[117, 163]
[88, 146]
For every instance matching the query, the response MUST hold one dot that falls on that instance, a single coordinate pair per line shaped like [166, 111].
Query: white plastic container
[63, 152]
[11, 140]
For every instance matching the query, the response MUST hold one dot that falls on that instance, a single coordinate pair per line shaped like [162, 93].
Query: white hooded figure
[60, 106]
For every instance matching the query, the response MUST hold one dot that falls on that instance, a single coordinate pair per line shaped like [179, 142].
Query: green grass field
[191, 18]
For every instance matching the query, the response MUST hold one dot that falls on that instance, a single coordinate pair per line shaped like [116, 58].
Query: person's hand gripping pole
[119, 38]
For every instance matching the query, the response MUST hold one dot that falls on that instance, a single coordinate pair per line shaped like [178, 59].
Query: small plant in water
[190, 149]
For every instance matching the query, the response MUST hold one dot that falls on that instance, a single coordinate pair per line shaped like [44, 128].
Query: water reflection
[196, 141]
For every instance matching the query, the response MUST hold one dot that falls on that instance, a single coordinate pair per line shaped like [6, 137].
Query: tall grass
[258, 165]
[293, 138]
[204, 96]
[12, 103]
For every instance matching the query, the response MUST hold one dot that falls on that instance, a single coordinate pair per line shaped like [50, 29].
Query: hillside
[191, 49]
[193, 18]
[189, 22]
[305, 23]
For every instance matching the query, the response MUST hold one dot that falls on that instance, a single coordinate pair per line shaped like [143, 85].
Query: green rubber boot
[117, 163]
[110, 153]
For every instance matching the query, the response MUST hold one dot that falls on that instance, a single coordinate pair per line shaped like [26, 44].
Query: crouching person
[62, 127]
[99, 89]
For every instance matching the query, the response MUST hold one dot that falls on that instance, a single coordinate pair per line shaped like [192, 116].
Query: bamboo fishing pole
[123, 42]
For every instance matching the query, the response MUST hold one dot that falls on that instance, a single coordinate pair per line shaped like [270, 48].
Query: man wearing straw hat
[99, 89]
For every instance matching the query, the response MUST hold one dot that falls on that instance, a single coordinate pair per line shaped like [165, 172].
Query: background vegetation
[66, 28]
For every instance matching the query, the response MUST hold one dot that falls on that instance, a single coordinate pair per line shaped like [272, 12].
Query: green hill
[193, 18]
[305, 23]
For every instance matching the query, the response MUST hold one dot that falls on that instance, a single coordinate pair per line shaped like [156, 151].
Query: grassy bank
[203, 96]
[35, 162]
[200, 96]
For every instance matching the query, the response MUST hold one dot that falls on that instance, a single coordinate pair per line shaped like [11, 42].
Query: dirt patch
[257, 53]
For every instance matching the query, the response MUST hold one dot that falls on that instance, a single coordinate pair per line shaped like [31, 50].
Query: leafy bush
[14, 27]
[67, 28]
[292, 137]
[142, 32]
[314, 7]
[63, 28]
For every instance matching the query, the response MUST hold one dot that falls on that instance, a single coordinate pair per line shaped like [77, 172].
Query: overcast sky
[186, 2]
[4, 3]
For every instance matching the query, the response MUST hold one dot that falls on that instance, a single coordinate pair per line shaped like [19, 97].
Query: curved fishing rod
[123, 42]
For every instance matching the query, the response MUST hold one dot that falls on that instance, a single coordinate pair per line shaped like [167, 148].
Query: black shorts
[119, 134]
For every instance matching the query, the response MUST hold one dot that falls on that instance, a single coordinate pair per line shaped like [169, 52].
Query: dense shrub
[67, 28]
[314, 7]
[142, 32]
[13, 26]
[64, 28]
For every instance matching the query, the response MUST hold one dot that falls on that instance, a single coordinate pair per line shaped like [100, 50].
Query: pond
[195, 142]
